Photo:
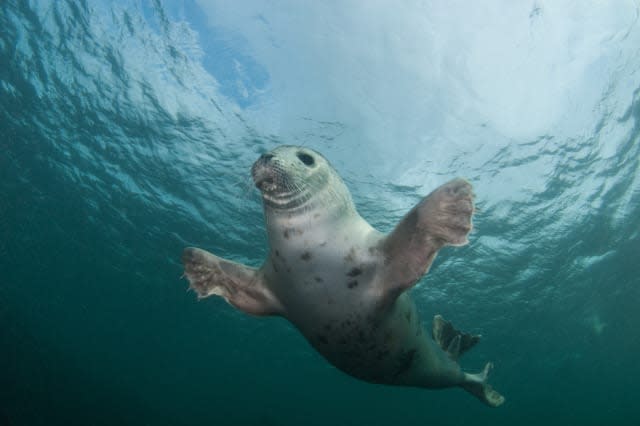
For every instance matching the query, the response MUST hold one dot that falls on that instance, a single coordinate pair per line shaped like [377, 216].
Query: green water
[127, 131]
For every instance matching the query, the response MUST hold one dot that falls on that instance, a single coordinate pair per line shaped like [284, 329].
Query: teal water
[127, 131]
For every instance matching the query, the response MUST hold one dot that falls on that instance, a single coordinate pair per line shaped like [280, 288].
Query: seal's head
[293, 177]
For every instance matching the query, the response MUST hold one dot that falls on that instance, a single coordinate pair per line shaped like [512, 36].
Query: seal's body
[341, 282]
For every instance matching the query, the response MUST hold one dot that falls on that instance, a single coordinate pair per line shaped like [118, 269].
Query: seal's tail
[476, 384]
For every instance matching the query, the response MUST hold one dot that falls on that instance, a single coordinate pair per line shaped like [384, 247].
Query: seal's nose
[266, 157]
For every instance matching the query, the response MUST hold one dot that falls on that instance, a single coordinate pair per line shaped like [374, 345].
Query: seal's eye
[306, 159]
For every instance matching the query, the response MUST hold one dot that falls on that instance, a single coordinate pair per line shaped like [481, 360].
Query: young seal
[342, 283]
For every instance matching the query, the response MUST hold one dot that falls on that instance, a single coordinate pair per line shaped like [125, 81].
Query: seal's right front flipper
[240, 285]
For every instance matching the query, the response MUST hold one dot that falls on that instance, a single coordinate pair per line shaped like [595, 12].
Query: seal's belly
[331, 294]
[380, 347]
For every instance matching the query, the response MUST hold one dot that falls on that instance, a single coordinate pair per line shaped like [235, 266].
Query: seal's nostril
[266, 157]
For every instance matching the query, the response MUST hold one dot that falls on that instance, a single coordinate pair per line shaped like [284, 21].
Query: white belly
[327, 283]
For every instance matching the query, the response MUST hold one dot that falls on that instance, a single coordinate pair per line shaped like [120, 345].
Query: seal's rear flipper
[442, 218]
[452, 341]
[240, 285]
[476, 384]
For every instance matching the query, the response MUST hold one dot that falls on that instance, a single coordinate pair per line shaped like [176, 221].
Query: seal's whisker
[247, 188]
[245, 184]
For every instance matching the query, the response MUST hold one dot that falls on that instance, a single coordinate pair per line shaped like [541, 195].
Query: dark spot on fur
[352, 284]
[289, 232]
[275, 268]
[277, 253]
[322, 339]
[411, 220]
[407, 315]
[405, 360]
[342, 341]
[306, 256]
[327, 327]
[319, 280]
[351, 256]
[354, 272]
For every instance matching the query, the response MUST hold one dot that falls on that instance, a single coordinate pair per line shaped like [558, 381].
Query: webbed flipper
[476, 384]
[453, 342]
[441, 218]
[240, 285]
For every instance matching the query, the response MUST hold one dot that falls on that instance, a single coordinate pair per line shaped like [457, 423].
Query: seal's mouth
[264, 176]
[273, 177]
[266, 184]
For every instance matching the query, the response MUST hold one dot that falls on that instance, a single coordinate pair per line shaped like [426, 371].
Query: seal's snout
[266, 184]
[263, 174]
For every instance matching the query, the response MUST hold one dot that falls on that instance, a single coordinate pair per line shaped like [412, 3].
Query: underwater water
[127, 132]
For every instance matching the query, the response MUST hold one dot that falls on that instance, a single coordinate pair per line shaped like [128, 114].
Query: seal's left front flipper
[442, 218]
[240, 285]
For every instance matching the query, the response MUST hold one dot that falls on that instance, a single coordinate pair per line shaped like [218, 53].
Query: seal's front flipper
[453, 342]
[476, 384]
[441, 218]
[240, 285]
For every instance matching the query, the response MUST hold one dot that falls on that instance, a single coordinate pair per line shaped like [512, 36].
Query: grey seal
[342, 283]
